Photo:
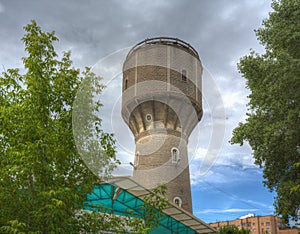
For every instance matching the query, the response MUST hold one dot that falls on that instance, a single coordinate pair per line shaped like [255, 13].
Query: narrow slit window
[126, 84]
[183, 75]
[136, 161]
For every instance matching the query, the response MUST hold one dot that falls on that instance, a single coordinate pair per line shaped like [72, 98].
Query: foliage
[233, 230]
[14, 226]
[153, 203]
[40, 167]
[272, 127]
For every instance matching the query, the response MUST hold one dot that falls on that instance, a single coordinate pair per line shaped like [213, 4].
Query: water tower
[161, 104]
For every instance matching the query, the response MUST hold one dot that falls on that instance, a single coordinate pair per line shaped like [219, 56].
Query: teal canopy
[120, 201]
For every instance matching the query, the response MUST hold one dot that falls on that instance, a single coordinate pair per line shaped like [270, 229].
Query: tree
[233, 230]
[272, 127]
[43, 180]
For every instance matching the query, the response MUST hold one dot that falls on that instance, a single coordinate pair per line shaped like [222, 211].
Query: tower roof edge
[165, 41]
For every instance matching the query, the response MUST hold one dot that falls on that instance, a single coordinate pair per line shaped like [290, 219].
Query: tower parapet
[161, 104]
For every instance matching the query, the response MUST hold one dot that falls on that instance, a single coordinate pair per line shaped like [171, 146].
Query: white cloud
[1, 8]
[231, 210]
[228, 12]
[257, 204]
[223, 174]
[247, 216]
[230, 99]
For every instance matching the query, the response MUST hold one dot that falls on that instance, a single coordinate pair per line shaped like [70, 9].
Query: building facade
[161, 104]
[258, 225]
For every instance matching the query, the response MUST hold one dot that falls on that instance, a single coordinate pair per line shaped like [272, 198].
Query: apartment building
[257, 224]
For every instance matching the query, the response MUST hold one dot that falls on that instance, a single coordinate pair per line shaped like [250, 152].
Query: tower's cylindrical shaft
[161, 104]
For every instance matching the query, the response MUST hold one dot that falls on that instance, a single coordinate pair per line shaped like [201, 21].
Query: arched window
[175, 155]
[183, 75]
[177, 201]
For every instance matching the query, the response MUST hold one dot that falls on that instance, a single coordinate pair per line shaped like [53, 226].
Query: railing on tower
[165, 41]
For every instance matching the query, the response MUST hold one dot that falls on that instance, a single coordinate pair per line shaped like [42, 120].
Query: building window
[268, 229]
[126, 84]
[148, 117]
[268, 223]
[175, 155]
[183, 75]
[262, 224]
[177, 201]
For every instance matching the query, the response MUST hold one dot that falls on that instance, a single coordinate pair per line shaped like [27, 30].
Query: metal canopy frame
[124, 196]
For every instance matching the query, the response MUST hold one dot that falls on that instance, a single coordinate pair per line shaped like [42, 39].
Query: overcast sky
[222, 31]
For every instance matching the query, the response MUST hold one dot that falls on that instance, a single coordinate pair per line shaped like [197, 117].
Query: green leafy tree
[43, 180]
[233, 230]
[272, 127]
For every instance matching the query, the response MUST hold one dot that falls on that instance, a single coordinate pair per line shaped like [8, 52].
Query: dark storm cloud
[218, 30]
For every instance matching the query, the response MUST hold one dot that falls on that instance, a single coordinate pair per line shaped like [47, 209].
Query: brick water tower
[161, 104]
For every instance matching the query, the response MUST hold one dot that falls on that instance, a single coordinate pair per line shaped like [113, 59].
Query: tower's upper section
[170, 41]
[162, 86]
